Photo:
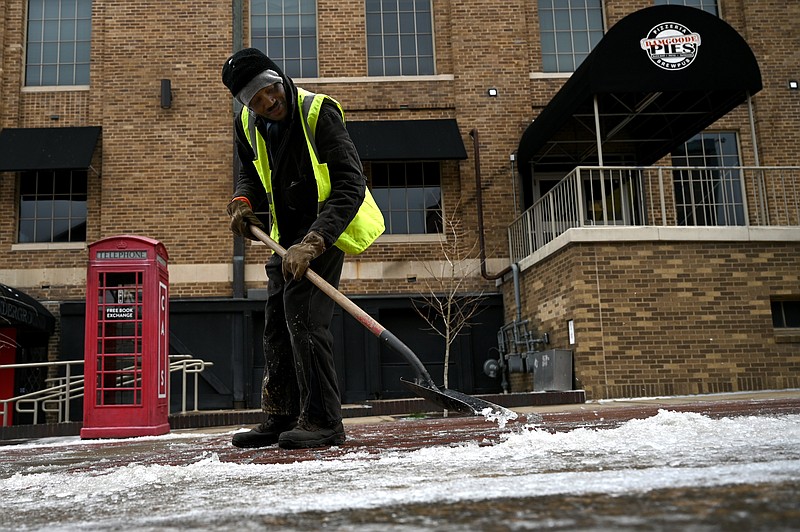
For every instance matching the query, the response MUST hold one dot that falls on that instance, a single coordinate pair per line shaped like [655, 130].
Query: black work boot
[266, 433]
[306, 435]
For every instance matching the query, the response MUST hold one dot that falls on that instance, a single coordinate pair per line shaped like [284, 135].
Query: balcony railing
[659, 196]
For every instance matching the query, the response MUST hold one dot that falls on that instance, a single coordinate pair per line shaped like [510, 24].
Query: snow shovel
[424, 385]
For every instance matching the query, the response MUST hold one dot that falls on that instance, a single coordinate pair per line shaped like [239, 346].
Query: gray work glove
[241, 216]
[299, 256]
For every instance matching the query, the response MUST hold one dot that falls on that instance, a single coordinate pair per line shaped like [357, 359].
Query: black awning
[405, 140]
[49, 148]
[648, 104]
[21, 310]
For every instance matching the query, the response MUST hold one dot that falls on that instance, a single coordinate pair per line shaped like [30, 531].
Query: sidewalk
[370, 408]
[612, 412]
[376, 435]
[733, 465]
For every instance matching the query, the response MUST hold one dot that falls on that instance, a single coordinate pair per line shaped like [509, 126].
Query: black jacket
[293, 182]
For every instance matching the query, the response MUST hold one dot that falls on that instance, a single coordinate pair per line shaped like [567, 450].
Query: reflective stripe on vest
[368, 223]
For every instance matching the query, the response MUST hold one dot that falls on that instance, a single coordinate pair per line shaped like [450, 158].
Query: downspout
[479, 201]
[238, 241]
[514, 268]
[241, 337]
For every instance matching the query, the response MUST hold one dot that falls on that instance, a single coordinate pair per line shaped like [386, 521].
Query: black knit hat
[243, 66]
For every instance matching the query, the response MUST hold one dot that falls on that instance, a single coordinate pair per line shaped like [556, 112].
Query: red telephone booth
[127, 339]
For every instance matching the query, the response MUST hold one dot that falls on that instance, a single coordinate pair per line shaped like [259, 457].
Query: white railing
[68, 390]
[57, 397]
[659, 196]
[186, 366]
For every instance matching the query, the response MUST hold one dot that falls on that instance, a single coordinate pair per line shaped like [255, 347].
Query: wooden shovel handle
[354, 310]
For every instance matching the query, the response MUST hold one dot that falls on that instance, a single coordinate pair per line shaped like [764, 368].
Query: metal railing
[57, 397]
[659, 196]
[65, 391]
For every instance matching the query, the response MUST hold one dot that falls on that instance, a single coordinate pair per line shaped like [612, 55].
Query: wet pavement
[716, 462]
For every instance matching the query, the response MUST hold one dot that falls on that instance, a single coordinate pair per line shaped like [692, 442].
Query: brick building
[115, 121]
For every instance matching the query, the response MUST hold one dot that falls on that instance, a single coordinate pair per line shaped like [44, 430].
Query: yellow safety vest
[368, 223]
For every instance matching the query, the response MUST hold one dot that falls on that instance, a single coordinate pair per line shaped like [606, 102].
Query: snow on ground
[669, 450]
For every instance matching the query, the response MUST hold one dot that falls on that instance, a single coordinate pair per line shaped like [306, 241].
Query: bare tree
[445, 301]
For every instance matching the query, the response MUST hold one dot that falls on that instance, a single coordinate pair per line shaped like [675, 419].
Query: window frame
[50, 74]
[703, 4]
[392, 213]
[39, 196]
[383, 64]
[552, 13]
[779, 321]
[710, 183]
[306, 63]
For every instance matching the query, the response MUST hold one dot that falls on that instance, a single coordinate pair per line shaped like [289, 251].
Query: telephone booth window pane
[119, 353]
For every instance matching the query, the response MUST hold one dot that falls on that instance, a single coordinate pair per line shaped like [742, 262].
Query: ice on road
[669, 450]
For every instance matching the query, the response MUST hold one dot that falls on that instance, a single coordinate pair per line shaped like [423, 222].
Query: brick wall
[769, 26]
[173, 164]
[662, 318]
[167, 173]
[164, 173]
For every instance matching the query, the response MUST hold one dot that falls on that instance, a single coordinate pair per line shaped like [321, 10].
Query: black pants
[299, 374]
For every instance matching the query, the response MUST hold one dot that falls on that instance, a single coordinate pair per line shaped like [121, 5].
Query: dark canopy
[644, 110]
[407, 140]
[20, 310]
[50, 148]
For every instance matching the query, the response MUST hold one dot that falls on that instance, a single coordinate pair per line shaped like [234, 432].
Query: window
[569, 29]
[119, 338]
[286, 30]
[399, 37]
[52, 206]
[785, 314]
[409, 196]
[705, 5]
[59, 39]
[711, 195]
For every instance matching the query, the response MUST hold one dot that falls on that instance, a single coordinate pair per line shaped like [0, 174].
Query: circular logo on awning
[671, 46]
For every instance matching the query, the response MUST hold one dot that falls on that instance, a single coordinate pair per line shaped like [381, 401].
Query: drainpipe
[515, 270]
[479, 201]
[241, 340]
[238, 241]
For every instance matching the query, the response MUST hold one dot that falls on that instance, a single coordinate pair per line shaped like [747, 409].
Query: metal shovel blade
[457, 401]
